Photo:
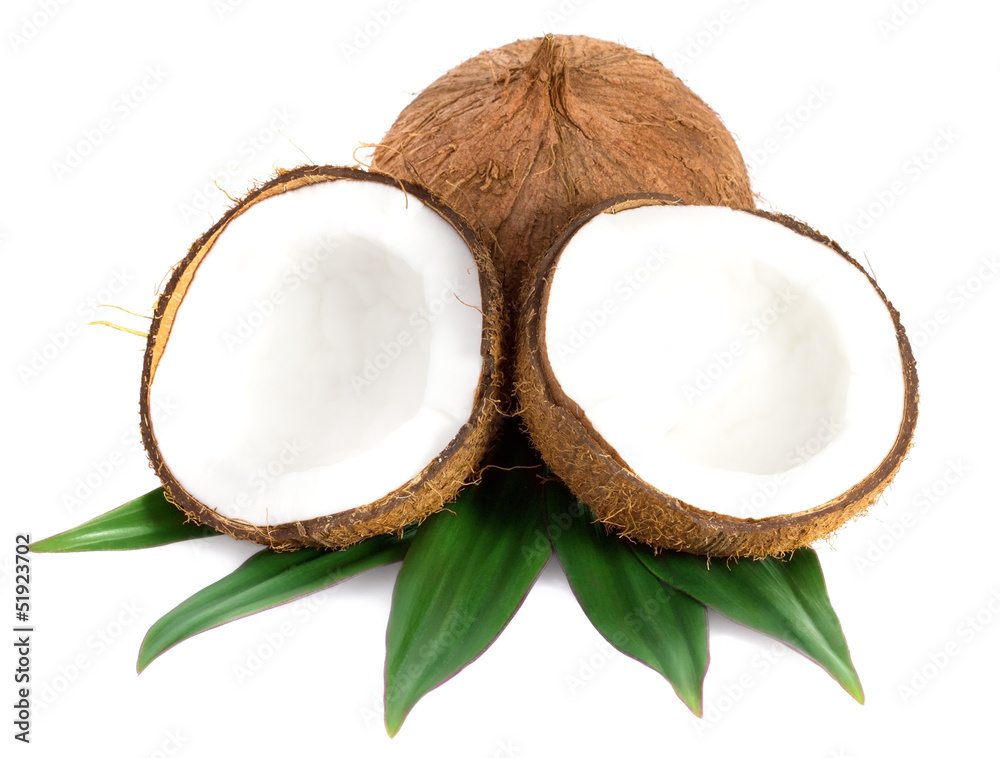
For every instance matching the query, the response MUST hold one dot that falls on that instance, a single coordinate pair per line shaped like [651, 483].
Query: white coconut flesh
[325, 352]
[729, 361]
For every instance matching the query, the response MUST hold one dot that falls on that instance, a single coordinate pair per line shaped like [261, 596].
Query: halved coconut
[328, 353]
[717, 381]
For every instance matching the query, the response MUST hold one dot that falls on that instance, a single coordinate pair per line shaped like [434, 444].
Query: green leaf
[465, 576]
[636, 612]
[147, 521]
[265, 580]
[784, 599]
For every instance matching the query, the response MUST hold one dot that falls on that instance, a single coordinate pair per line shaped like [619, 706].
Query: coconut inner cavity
[729, 361]
[325, 352]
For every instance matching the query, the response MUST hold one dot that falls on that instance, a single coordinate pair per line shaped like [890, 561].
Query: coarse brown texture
[635, 509]
[521, 139]
[429, 491]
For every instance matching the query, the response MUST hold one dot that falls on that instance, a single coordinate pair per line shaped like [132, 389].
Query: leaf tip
[850, 681]
[397, 707]
[393, 723]
[857, 693]
[146, 655]
[693, 700]
[42, 546]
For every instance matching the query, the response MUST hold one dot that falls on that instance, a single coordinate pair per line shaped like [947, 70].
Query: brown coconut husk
[429, 491]
[626, 504]
[521, 139]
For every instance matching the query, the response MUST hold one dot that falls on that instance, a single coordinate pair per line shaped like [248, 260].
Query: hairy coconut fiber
[442, 478]
[521, 139]
[626, 504]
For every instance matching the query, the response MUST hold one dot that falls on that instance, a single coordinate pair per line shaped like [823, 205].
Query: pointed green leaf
[636, 612]
[465, 576]
[265, 580]
[784, 599]
[147, 521]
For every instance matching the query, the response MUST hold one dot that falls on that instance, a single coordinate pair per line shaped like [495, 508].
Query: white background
[858, 99]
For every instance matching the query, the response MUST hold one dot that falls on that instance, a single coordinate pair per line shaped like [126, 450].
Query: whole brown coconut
[521, 139]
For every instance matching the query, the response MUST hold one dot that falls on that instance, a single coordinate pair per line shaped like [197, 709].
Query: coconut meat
[728, 361]
[326, 351]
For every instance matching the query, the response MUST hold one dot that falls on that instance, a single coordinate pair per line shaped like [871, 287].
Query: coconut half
[330, 354]
[717, 381]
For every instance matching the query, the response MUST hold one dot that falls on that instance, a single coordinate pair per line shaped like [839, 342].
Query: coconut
[325, 362]
[521, 139]
[710, 380]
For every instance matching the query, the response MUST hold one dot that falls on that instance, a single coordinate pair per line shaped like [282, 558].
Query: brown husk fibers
[430, 490]
[635, 509]
[521, 139]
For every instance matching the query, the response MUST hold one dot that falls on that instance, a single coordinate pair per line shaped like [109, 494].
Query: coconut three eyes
[331, 348]
[711, 380]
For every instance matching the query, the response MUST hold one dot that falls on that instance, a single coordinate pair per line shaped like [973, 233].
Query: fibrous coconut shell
[435, 486]
[629, 506]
